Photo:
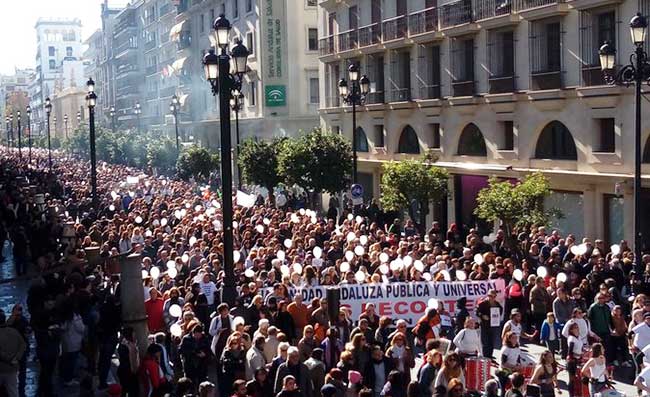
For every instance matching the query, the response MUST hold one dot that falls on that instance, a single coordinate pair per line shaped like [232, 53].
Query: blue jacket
[546, 330]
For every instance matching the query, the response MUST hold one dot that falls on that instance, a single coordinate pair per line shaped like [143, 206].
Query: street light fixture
[223, 82]
[7, 128]
[48, 112]
[112, 113]
[11, 129]
[354, 95]
[65, 122]
[20, 146]
[91, 101]
[636, 72]
[137, 110]
[28, 111]
[237, 104]
[174, 107]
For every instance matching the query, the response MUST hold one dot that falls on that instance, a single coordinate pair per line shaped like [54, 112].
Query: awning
[176, 30]
[178, 64]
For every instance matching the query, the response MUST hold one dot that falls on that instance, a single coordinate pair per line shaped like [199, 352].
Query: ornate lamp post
[223, 82]
[7, 128]
[636, 72]
[20, 143]
[29, 130]
[91, 101]
[237, 104]
[354, 95]
[137, 110]
[48, 112]
[65, 124]
[112, 114]
[11, 130]
[174, 107]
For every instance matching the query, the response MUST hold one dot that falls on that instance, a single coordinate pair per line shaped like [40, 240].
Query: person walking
[12, 349]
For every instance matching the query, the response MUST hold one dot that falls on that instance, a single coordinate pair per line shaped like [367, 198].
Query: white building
[494, 88]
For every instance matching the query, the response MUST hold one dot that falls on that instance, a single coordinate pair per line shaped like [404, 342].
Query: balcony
[521, 5]
[125, 69]
[463, 88]
[423, 21]
[457, 13]
[123, 48]
[375, 97]
[501, 85]
[348, 40]
[150, 45]
[592, 75]
[400, 94]
[153, 69]
[369, 34]
[546, 80]
[152, 95]
[326, 45]
[430, 91]
[484, 9]
[395, 28]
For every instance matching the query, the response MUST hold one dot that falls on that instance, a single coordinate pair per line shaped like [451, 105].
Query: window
[462, 66]
[556, 143]
[235, 9]
[312, 39]
[51, 51]
[408, 141]
[52, 64]
[312, 3]
[68, 51]
[400, 76]
[252, 94]
[361, 140]
[202, 23]
[596, 27]
[313, 90]
[471, 142]
[435, 135]
[607, 136]
[249, 5]
[379, 135]
[429, 71]
[546, 54]
[212, 16]
[250, 43]
[501, 61]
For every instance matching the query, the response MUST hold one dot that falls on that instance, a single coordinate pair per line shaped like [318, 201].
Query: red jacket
[154, 308]
[151, 376]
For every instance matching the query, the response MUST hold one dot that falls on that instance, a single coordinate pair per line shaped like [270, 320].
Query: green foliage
[258, 161]
[162, 155]
[317, 162]
[198, 163]
[517, 205]
[409, 181]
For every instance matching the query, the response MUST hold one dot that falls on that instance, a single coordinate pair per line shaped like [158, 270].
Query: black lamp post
[91, 101]
[237, 104]
[20, 146]
[11, 130]
[48, 112]
[223, 82]
[7, 128]
[355, 96]
[174, 108]
[29, 130]
[636, 72]
[65, 123]
[112, 113]
[54, 119]
[78, 118]
[137, 110]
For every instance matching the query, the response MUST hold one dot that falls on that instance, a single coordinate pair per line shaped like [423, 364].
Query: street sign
[356, 191]
[276, 95]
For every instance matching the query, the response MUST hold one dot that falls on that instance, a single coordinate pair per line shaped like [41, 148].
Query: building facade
[493, 88]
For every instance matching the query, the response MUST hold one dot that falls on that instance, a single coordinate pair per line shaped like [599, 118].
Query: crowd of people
[586, 302]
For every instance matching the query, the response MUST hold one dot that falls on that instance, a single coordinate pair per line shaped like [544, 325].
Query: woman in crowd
[468, 340]
[596, 370]
[451, 369]
[401, 356]
[545, 374]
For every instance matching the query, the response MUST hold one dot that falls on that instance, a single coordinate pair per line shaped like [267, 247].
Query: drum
[477, 373]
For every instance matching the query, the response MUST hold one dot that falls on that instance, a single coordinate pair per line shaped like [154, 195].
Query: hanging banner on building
[408, 301]
[274, 52]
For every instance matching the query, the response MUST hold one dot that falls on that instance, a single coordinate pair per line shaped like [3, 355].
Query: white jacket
[215, 330]
[254, 361]
[73, 334]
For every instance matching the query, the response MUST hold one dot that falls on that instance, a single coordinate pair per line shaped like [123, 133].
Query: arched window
[362, 140]
[408, 141]
[471, 142]
[556, 142]
[646, 152]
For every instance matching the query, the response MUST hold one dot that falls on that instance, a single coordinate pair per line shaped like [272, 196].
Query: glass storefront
[571, 219]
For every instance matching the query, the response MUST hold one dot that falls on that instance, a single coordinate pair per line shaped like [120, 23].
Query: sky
[17, 20]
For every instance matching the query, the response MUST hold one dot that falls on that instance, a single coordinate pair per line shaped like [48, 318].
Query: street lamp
[48, 112]
[78, 118]
[174, 108]
[223, 82]
[112, 113]
[11, 129]
[354, 95]
[636, 72]
[137, 110]
[29, 129]
[65, 123]
[91, 101]
[237, 104]
[7, 128]
[20, 149]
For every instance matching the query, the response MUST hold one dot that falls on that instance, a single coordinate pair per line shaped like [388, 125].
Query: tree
[515, 206]
[198, 163]
[258, 161]
[162, 154]
[408, 183]
[317, 162]
[78, 142]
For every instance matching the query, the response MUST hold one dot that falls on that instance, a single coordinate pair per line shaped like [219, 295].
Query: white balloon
[114, 195]
[561, 277]
[309, 213]
[461, 275]
[616, 249]
[395, 266]
[145, 273]
[236, 256]
[198, 208]
[427, 276]
[360, 276]
[284, 269]
[383, 268]
[363, 240]
[432, 303]
[266, 221]
[172, 272]
[383, 257]
[192, 241]
[350, 217]
[176, 330]
[185, 258]
[349, 255]
[235, 225]
[318, 252]
[518, 274]
[446, 275]
[295, 218]
[178, 214]
[359, 250]
[250, 273]
[155, 272]
[542, 271]
[582, 249]
[148, 233]
[478, 259]
[111, 207]
[183, 212]
[419, 266]
[351, 236]
[187, 205]
[163, 222]
[384, 279]
[301, 212]
[313, 220]
[297, 267]
[175, 311]
[575, 250]
[171, 265]
[407, 260]
[138, 219]
[259, 228]
[358, 219]
[345, 267]
[281, 255]
[288, 243]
